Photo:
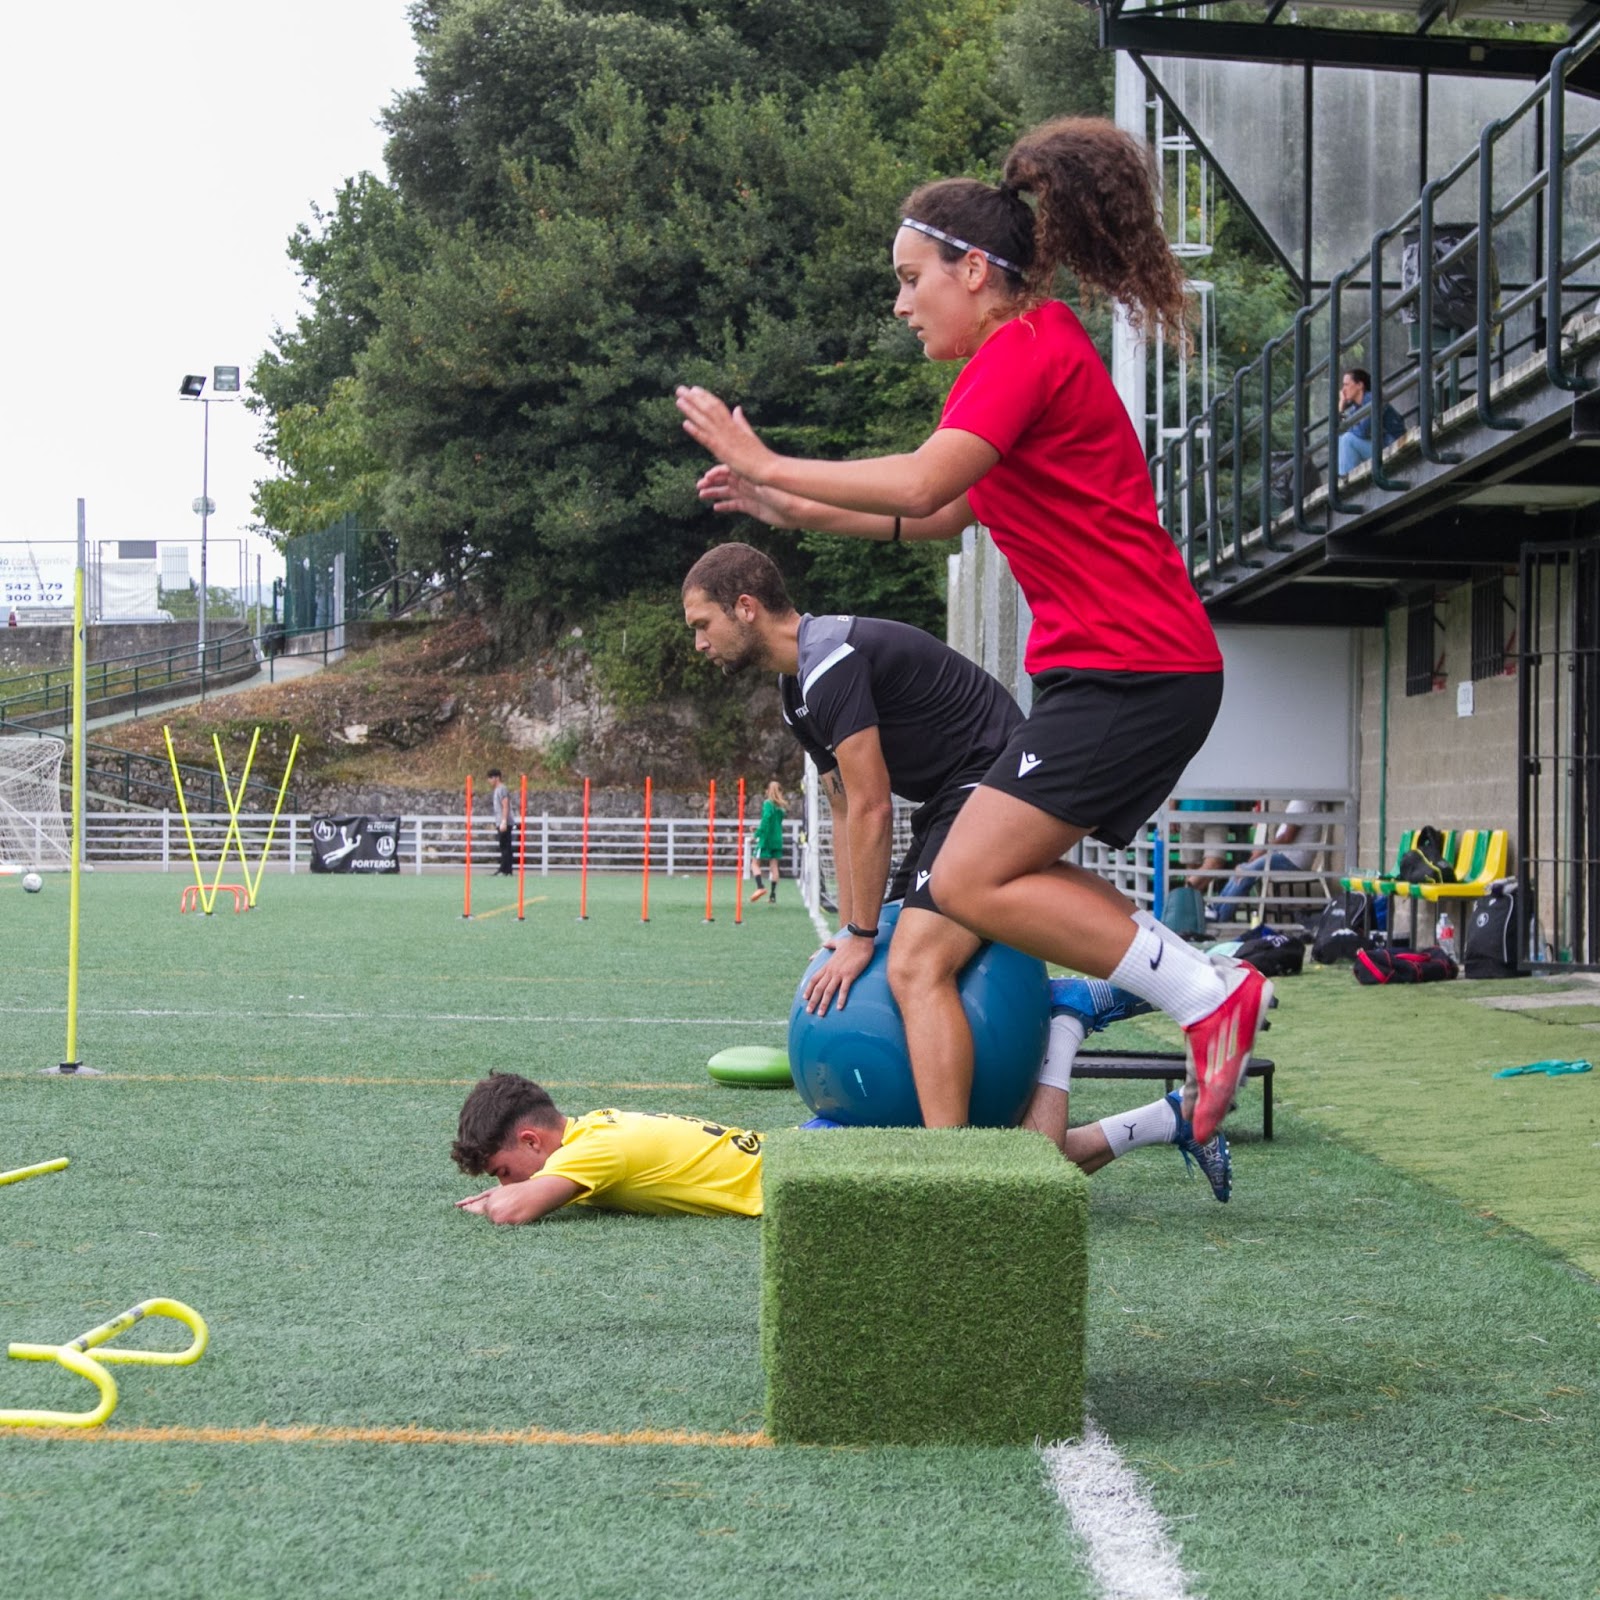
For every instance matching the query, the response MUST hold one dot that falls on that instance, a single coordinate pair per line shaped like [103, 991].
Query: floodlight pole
[225, 381]
[205, 515]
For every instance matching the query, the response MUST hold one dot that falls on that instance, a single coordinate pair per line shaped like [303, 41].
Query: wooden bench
[1170, 1068]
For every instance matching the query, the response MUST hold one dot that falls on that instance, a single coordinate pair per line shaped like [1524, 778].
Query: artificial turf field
[1346, 1382]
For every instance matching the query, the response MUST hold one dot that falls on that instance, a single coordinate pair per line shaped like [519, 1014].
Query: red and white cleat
[1219, 1046]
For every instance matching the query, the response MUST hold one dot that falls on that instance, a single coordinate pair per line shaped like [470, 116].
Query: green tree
[330, 467]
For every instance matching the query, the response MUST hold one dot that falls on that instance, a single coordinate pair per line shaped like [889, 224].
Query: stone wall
[31, 649]
[1450, 770]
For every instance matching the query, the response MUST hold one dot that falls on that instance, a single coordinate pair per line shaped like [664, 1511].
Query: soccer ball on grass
[32, 882]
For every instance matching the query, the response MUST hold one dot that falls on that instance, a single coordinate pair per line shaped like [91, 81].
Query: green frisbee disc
[752, 1066]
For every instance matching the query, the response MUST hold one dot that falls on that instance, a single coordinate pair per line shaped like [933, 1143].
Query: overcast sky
[159, 157]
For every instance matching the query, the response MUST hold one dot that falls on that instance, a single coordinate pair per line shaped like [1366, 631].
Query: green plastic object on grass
[751, 1066]
[1551, 1069]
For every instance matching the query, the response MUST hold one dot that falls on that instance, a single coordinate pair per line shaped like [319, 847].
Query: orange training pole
[644, 908]
[711, 845]
[522, 844]
[583, 872]
[738, 863]
[466, 905]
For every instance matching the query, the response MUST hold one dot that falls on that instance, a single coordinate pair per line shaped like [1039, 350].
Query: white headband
[960, 244]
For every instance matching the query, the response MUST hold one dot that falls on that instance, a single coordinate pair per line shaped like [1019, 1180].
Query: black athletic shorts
[1103, 750]
[929, 825]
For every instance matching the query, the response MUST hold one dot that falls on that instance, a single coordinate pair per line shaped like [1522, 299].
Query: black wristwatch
[860, 933]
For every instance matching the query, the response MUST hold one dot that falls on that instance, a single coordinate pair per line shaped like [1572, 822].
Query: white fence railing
[678, 845]
[554, 843]
[1146, 873]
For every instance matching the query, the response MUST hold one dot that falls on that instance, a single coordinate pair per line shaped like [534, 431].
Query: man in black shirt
[883, 709]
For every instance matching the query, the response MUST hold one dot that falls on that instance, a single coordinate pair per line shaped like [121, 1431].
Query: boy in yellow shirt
[648, 1163]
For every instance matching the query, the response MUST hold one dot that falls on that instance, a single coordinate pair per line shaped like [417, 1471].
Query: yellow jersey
[656, 1164]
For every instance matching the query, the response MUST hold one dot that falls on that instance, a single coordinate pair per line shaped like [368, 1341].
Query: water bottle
[1445, 935]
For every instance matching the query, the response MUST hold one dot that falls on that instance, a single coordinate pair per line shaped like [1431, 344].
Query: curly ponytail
[1094, 185]
[1094, 188]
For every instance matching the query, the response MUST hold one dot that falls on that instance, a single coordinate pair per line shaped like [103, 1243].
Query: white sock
[1170, 974]
[1156, 1123]
[1060, 1051]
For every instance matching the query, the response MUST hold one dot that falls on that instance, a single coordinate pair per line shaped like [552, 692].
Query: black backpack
[1425, 861]
[1271, 953]
[1491, 935]
[1343, 928]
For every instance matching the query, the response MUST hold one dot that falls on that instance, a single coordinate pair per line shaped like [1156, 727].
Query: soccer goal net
[33, 832]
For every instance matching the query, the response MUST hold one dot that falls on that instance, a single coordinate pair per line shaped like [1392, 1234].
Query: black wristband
[894, 538]
[860, 933]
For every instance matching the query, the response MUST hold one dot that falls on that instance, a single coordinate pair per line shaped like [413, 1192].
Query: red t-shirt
[1069, 503]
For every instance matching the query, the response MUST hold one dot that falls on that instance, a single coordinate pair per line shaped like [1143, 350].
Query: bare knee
[926, 957]
[961, 894]
[915, 975]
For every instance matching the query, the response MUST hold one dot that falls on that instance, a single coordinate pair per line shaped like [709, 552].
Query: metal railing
[1237, 481]
[43, 699]
[36, 702]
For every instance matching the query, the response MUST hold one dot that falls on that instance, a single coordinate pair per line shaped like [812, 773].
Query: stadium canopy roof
[1405, 35]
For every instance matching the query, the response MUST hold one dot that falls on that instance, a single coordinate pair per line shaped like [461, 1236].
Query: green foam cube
[922, 1286]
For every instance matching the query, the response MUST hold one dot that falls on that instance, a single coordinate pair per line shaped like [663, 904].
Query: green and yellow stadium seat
[1378, 882]
[1383, 882]
[1477, 865]
[1480, 858]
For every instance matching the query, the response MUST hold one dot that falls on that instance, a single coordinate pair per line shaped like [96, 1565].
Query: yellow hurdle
[38, 1170]
[75, 1357]
[235, 806]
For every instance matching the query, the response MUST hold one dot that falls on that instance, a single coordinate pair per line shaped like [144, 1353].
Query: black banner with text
[355, 844]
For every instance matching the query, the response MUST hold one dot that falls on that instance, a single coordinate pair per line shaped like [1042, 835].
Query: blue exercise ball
[851, 1065]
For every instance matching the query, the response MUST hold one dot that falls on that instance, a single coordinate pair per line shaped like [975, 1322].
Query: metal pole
[205, 514]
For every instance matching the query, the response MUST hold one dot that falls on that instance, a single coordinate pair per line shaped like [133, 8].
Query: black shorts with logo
[929, 825]
[1103, 750]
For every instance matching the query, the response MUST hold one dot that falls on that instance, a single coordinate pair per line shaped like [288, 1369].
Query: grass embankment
[412, 711]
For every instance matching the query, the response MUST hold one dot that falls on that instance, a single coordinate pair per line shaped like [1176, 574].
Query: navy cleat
[1212, 1157]
[1094, 1002]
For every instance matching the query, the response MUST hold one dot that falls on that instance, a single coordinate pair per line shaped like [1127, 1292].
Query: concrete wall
[29, 649]
[1443, 768]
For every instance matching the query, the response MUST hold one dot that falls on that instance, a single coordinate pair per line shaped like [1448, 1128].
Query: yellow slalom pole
[69, 1062]
[232, 835]
[183, 811]
[272, 827]
[38, 1170]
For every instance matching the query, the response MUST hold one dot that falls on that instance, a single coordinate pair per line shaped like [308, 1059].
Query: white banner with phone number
[35, 577]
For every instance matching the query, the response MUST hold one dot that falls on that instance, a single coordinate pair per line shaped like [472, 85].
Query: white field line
[1126, 1546]
[403, 1016]
[820, 923]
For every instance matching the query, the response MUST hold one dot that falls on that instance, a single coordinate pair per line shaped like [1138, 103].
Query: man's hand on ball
[850, 958]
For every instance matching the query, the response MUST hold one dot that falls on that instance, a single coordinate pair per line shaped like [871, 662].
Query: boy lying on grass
[651, 1164]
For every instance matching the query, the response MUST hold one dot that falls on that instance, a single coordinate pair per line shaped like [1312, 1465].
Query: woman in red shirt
[1035, 444]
